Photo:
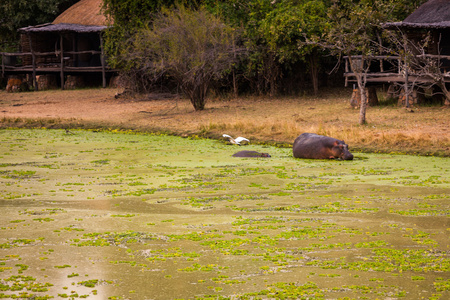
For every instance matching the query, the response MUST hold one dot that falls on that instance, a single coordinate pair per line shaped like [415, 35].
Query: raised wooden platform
[390, 69]
[59, 62]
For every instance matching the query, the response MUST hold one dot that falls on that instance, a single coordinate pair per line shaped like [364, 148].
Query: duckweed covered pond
[106, 215]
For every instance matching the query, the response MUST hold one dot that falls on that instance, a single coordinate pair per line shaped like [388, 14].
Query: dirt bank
[424, 130]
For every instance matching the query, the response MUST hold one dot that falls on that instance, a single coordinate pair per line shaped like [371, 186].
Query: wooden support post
[75, 49]
[61, 45]
[406, 87]
[102, 59]
[33, 62]
[3, 64]
[346, 71]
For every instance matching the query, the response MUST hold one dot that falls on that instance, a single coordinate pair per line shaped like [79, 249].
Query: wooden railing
[392, 68]
[60, 61]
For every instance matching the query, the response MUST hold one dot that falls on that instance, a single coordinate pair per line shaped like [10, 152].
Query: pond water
[110, 215]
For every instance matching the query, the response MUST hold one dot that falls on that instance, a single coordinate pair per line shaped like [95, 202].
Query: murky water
[103, 215]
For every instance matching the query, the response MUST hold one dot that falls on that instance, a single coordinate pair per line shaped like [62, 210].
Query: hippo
[310, 145]
[247, 153]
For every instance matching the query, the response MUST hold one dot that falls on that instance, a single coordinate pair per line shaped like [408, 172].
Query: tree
[193, 47]
[285, 28]
[126, 17]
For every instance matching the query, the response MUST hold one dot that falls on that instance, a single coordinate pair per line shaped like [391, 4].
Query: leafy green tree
[261, 68]
[193, 47]
[403, 8]
[285, 29]
[15, 14]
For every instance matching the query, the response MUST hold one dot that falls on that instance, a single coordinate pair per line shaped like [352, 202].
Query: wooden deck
[386, 69]
[62, 63]
[392, 78]
[8, 70]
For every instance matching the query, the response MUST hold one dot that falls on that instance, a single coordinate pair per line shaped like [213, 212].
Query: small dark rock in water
[247, 153]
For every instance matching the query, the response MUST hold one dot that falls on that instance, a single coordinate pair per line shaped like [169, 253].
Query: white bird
[236, 141]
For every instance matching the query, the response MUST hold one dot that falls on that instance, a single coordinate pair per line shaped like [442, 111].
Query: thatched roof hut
[434, 14]
[432, 17]
[83, 16]
[71, 43]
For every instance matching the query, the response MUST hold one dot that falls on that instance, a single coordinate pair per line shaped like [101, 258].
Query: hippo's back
[306, 145]
[247, 153]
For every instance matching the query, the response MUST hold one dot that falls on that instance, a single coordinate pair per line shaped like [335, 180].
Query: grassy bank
[422, 130]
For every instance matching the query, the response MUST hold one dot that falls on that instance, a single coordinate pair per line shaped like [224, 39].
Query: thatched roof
[83, 16]
[432, 14]
[62, 27]
[85, 12]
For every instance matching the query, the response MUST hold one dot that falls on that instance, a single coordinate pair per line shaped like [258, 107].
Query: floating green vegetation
[136, 183]
[18, 243]
[204, 268]
[240, 221]
[22, 268]
[43, 220]
[101, 161]
[171, 253]
[17, 174]
[71, 228]
[123, 216]
[371, 171]
[209, 201]
[141, 192]
[17, 221]
[89, 283]
[442, 285]
[63, 266]
[46, 211]
[392, 260]
[290, 290]
[422, 238]
[112, 239]
[421, 212]
[197, 223]
[328, 208]
[17, 283]
[228, 247]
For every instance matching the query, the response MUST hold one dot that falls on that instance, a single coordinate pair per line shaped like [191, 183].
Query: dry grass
[261, 119]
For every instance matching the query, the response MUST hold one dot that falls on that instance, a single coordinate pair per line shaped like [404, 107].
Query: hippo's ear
[336, 143]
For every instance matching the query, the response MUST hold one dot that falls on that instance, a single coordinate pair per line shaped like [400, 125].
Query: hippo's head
[265, 155]
[340, 150]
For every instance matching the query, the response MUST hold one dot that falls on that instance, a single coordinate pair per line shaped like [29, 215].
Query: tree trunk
[362, 109]
[445, 91]
[314, 70]
[197, 95]
[360, 74]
